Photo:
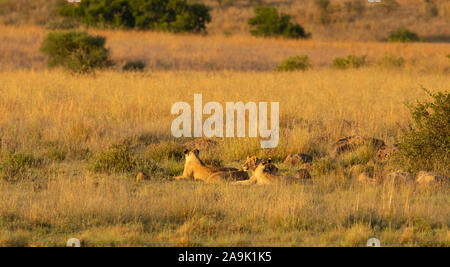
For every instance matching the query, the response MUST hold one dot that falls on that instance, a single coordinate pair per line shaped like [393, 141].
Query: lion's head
[192, 154]
[253, 162]
[265, 166]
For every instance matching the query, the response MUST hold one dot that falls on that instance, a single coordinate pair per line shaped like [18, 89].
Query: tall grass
[67, 122]
[65, 199]
[111, 211]
[163, 51]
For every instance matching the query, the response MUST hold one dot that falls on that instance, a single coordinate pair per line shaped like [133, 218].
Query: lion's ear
[186, 152]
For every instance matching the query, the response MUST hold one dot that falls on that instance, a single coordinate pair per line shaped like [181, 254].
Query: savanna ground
[72, 145]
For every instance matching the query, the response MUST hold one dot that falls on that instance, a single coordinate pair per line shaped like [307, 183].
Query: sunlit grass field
[63, 121]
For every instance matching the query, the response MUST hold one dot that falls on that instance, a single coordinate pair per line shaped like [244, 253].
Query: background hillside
[342, 19]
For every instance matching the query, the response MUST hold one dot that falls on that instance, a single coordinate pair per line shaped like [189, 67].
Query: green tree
[76, 51]
[267, 22]
[166, 15]
[425, 143]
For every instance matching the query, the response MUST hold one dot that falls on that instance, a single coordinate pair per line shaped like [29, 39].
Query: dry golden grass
[164, 51]
[62, 198]
[113, 211]
[53, 105]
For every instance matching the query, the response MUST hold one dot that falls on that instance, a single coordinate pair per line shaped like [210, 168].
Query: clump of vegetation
[166, 15]
[295, 63]
[425, 144]
[165, 151]
[15, 166]
[324, 13]
[392, 61]
[137, 65]
[120, 158]
[116, 159]
[403, 35]
[267, 22]
[350, 61]
[77, 52]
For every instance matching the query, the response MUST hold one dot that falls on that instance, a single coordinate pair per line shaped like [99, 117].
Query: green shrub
[350, 61]
[267, 22]
[425, 144]
[403, 35]
[137, 65]
[295, 63]
[148, 167]
[116, 159]
[15, 166]
[167, 15]
[165, 151]
[392, 61]
[76, 51]
[121, 159]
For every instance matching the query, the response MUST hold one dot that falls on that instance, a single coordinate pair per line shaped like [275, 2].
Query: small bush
[295, 63]
[166, 15]
[76, 51]
[165, 151]
[116, 159]
[403, 35]
[121, 159]
[137, 65]
[15, 166]
[350, 61]
[392, 61]
[425, 144]
[267, 22]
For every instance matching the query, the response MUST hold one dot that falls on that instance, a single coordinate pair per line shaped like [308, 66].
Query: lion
[262, 176]
[195, 169]
[252, 162]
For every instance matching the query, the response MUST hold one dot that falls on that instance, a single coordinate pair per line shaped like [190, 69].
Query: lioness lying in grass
[262, 175]
[195, 169]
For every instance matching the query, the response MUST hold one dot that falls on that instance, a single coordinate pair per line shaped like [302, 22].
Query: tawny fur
[262, 176]
[195, 169]
[252, 162]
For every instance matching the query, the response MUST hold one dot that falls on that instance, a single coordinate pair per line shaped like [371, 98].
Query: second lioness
[252, 162]
[263, 176]
[195, 169]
